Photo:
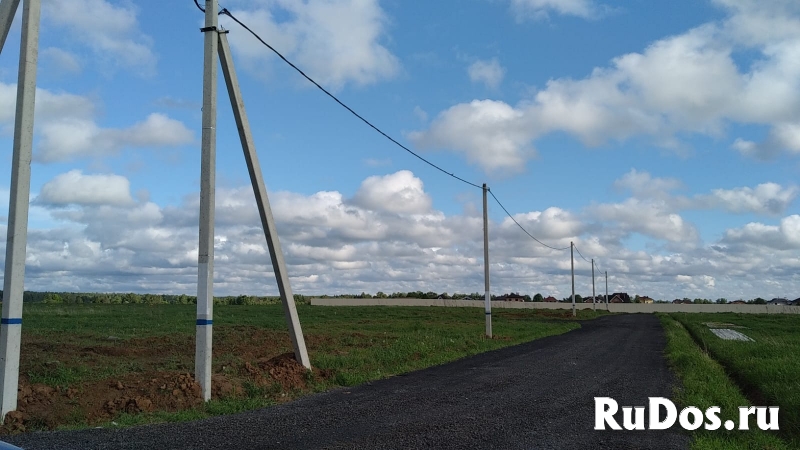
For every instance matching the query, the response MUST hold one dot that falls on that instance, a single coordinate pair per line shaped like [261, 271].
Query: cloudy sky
[663, 138]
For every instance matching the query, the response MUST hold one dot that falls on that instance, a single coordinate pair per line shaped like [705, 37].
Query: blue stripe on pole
[205, 322]
[488, 313]
[11, 321]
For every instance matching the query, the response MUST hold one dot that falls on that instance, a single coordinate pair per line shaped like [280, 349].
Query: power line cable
[579, 252]
[228, 13]
[520, 226]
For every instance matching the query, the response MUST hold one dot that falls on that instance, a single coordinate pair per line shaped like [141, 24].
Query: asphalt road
[538, 395]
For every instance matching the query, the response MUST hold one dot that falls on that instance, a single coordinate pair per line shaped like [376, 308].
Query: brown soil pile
[238, 356]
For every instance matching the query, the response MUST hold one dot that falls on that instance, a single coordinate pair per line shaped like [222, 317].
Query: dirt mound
[283, 369]
[151, 376]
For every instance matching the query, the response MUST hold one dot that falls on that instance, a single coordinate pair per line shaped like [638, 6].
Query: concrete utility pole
[488, 295]
[8, 8]
[606, 290]
[17, 235]
[572, 263]
[205, 257]
[594, 301]
[216, 46]
[264, 210]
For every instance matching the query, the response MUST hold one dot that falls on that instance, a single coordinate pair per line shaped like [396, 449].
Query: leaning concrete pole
[205, 257]
[594, 302]
[17, 237]
[572, 263]
[8, 8]
[264, 210]
[488, 294]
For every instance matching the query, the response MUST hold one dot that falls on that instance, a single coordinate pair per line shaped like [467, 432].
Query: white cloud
[74, 187]
[62, 60]
[67, 129]
[679, 85]
[334, 244]
[651, 218]
[539, 9]
[489, 72]
[766, 198]
[490, 133]
[400, 192]
[111, 31]
[71, 138]
[336, 42]
[643, 185]
[784, 236]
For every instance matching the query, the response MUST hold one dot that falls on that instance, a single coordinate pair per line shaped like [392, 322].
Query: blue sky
[661, 137]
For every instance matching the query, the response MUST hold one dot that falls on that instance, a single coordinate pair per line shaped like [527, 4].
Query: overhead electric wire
[228, 13]
[521, 227]
[579, 252]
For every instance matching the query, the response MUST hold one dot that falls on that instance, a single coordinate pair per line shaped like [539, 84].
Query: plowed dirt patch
[90, 384]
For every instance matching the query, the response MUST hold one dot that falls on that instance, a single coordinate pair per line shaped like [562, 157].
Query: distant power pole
[572, 263]
[488, 294]
[606, 290]
[594, 300]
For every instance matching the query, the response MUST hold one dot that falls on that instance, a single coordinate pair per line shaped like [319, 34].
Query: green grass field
[730, 374]
[75, 350]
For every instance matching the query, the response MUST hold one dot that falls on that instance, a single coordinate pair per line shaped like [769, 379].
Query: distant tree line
[73, 298]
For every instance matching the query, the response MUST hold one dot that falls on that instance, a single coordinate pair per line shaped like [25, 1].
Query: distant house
[796, 302]
[677, 301]
[778, 301]
[623, 297]
[645, 299]
[739, 302]
[619, 297]
[512, 297]
[550, 299]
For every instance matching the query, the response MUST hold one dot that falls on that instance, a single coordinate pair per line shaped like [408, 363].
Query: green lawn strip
[767, 369]
[705, 384]
[352, 345]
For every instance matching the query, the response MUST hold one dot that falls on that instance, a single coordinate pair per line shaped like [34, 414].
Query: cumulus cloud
[680, 85]
[71, 138]
[335, 244]
[765, 198]
[650, 218]
[337, 42]
[400, 192]
[74, 187]
[786, 235]
[489, 72]
[490, 133]
[67, 129]
[110, 31]
[643, 185]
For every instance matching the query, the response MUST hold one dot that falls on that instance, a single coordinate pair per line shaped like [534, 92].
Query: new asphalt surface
[537, 395]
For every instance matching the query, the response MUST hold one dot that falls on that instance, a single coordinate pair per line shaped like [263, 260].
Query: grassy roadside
[74, 356]
[705, 384]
